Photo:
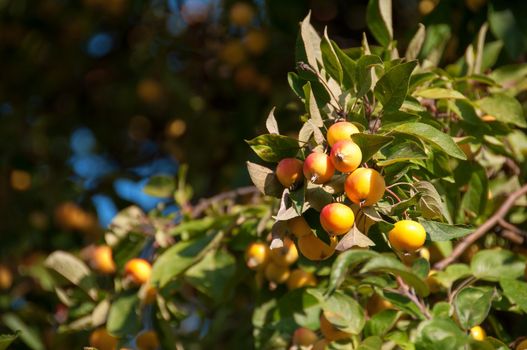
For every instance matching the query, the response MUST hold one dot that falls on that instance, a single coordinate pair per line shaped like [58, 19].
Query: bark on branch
[487, 226]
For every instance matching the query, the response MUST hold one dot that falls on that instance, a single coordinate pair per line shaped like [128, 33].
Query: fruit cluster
[363, 186]
[137, 273]
[275, 265]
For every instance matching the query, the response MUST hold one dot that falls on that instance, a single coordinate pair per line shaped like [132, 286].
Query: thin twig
[508, 226]
[393, 194]
[205, 203]
[487, 226]
[407, 292]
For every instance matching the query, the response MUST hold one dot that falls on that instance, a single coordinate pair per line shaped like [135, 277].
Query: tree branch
[205, 203]
[487, 226]
[407, 292]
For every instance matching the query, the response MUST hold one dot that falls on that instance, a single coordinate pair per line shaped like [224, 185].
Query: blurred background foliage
[96, 96]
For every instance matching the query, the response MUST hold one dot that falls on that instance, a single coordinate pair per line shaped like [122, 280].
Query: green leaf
[504, 108]
[271, 124]
[439, 334]
[441, 310]
[430, 203]
[433, 136]
[380, 323]
[516, 291]
[347, 261]
[391, 119]
[370, 144]
[344, 313]
[392, 87]
[265, 180]
[354, 238]
[421, 267]
[29, 335]
[415, 45]
[7, 339]
[317, 197]
[74, 270]
[273, 148]
[451, 274]
[496, 264]
[391, 265]
[299, 307]
[312, 106]
[180, 257]
[308, 47]
[439, 93]
[330, 59]
[370, 343]
[297, 85]
[379, 20]
[496, 343]
[474, 200]
[437, 231]
[507, 27]
[123, 318]
[213, 274]
[472, 305]
[364, 73]
[401, 152]
[465, 110]
[160, 186]
[348, 67]
[404, 304]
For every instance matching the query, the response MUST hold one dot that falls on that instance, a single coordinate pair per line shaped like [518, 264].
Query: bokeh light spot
[99, 45]
[20, 180]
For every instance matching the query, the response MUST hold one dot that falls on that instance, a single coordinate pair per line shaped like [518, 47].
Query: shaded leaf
[122, 317]
[370, 144]
[312, 106]
[430, 203]
[27, 334]
[438, 231]
[380, 323]
[364, 73]
[7, 339]
[213, 274]
[265, 180]
[392, 87]
[330, 59]
[516, 291]
[180, 257]
[74, 270]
